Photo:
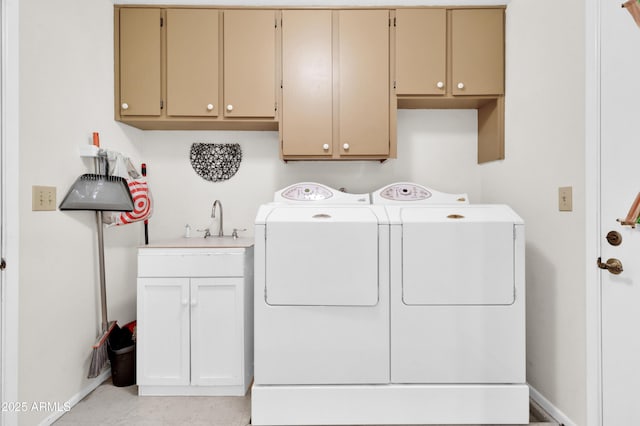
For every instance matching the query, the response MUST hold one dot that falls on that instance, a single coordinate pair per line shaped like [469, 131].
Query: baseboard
[93, 384]
[547, 406]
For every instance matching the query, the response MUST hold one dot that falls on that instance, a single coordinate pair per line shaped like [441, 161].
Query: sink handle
[207, 232]
[234, 234]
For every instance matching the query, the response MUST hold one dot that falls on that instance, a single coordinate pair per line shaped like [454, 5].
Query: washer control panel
[316, 193]
[306, 192]
[405, 192]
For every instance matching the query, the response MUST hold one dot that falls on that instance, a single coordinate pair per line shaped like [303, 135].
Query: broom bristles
[99, 355]
[99, 358]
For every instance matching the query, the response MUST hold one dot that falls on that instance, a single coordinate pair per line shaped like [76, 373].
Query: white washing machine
[321, 304]
[457, 304]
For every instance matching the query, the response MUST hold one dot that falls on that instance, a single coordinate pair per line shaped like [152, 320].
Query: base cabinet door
[163, 331]
[216, 333]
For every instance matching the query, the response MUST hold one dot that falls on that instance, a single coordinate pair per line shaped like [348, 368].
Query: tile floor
[121, 406]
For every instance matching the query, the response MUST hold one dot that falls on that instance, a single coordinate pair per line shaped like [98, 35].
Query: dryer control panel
[405, 191]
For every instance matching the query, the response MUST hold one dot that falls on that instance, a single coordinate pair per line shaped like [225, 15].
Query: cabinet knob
[229, 107]
[125, 105]
[345, 146]
[210, 107]
[460, 85]
[184, 302]
[194, 302]
[325, 146]
[440, 85]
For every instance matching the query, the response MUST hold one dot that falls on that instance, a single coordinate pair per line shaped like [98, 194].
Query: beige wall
[66, 92]
[545, 150]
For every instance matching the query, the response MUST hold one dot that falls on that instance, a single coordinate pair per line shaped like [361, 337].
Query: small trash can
[123, 366]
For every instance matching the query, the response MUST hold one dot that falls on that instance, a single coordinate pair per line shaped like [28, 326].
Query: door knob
[613, 265]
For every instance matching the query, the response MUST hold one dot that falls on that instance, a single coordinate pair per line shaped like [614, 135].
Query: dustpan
[98, 192]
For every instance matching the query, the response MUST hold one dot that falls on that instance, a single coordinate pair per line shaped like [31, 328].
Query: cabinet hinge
[276, 23]
[281, 84]
[275, 108]
[394, 84]
[394, 21]
[161, 104]
[161, 21]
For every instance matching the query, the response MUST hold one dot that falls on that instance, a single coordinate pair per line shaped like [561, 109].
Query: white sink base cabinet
[195, 321]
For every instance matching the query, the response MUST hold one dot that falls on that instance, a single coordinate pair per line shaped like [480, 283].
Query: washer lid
[321, 214]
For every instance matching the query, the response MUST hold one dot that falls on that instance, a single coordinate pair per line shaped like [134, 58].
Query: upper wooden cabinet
[477, 51]
[138, 67]
[335, 84]
[450, 52]
[196, 68]
[249, 63]
[192, 62]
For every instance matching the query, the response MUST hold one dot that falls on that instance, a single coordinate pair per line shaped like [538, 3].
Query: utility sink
[200, 242]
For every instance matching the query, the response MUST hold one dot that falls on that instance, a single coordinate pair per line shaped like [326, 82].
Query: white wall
[545, 150]
[436, 148]
[66, 90]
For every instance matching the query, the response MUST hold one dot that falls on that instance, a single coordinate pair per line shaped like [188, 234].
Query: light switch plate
[43, 198]
[565, 198]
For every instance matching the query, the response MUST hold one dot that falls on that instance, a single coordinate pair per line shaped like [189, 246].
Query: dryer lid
[476, 213]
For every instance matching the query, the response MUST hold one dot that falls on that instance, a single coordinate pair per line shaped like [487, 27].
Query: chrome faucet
[213, 215]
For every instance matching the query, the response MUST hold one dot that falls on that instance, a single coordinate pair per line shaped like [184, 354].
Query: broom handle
[103, 286]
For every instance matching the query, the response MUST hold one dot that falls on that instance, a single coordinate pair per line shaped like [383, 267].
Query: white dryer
[321, 303]
[457, 303]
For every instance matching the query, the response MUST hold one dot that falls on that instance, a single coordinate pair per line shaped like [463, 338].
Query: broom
[99, 355]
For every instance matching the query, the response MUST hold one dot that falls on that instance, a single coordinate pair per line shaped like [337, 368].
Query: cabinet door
[192, 62]
[477, 51]
[249, 63]
[421, 51]
[139, 62]
[163, 331]
[307, 83]
[216, 331]
[364, 82]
